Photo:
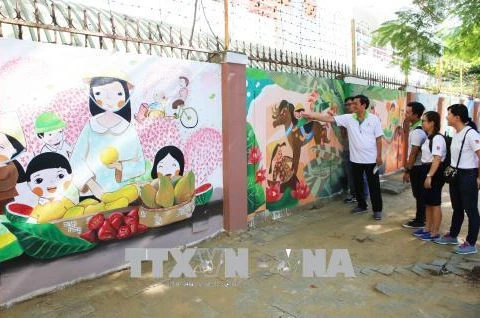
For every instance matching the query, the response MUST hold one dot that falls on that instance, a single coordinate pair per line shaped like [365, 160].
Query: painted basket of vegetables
[163, 216]
[166, 200]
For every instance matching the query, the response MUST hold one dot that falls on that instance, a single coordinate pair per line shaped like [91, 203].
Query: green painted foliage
[46, 241]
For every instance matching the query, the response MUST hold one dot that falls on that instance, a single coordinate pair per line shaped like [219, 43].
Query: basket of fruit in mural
[167, 200]
[108, 219]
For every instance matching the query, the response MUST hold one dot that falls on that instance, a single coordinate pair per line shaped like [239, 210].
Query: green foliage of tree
[449, 29]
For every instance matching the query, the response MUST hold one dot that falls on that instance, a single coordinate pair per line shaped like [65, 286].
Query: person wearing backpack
[434, 152]
[413, 167]
[465, 150]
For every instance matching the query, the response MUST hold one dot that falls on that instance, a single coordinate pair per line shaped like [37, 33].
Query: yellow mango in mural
[148, 194]
[88, 202]
[49, 212]
[94, 208]
[109, 155]
[117, 204]
[74, 212]
[165, 193]
[185, 188]
[129, 191]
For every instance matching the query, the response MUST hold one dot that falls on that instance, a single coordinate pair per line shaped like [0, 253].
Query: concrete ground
[397, 275]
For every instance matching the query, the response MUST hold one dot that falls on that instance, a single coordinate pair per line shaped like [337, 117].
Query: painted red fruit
[142, 228]
[116, 220]
[96, 221]
[106, 232]
[90, 236]
[20, 208]
[134, 214]
[132, 224]
[123, 232]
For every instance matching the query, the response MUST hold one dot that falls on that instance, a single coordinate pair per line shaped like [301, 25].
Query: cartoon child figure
[108, 153]
[11, 171]
[182, 93]
[50, 129]
[155, 109]
[49, 176]
[169, 161]
[305, 129]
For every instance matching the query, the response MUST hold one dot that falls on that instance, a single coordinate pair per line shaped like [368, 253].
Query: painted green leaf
[255, 191]
[256, 74]
[285, 202]
[212, 96]
[292, 82]
[251, 138]
[46, 241]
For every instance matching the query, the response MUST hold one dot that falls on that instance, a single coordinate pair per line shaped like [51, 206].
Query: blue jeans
[464, 197]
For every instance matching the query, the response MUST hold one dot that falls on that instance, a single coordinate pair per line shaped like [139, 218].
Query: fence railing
[77, 25]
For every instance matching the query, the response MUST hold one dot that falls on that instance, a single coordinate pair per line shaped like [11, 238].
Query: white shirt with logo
[416, 137]
[362, 137]
[439, 148]
[469, 159]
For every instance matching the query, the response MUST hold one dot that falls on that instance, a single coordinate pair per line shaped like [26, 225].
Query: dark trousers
[464, 197]
[347, 167]
[416, 180]
[373, 181]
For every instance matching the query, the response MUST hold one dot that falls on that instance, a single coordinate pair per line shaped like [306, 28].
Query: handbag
[450, 174]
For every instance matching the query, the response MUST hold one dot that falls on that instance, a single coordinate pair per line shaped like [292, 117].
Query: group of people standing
[429, 154]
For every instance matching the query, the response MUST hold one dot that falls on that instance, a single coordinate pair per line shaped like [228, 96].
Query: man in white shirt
[413, 167]
[365, 141]
[463, 191]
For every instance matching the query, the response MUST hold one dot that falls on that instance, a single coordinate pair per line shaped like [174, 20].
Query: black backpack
[448, 142]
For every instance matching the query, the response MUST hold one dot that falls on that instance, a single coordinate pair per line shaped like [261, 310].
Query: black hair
[417, 108]
[274, 152]
[435, 117]
[125, 112]
[176, 153]
[459, 110]
[186, 80]
[348, 98]
[363, 100]
[15, 144]
[47, 160]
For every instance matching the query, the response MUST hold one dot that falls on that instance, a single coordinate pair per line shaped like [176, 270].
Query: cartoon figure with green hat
[49, 128]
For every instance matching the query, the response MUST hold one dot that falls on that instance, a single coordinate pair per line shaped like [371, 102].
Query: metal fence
[77, 25]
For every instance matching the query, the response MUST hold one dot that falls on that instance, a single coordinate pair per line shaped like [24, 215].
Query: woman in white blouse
[434, 151]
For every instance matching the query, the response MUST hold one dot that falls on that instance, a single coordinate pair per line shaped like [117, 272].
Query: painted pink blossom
[301, 191]
[255, 155]
[273, 192]
[260, 175]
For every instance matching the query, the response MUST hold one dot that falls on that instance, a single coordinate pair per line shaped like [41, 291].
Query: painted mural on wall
[98, 146]
[291, 161]
[389, 106]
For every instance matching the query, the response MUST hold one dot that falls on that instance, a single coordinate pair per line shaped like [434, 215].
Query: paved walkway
[396, 275]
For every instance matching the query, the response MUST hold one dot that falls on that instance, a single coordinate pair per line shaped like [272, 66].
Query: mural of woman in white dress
[108, 154]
